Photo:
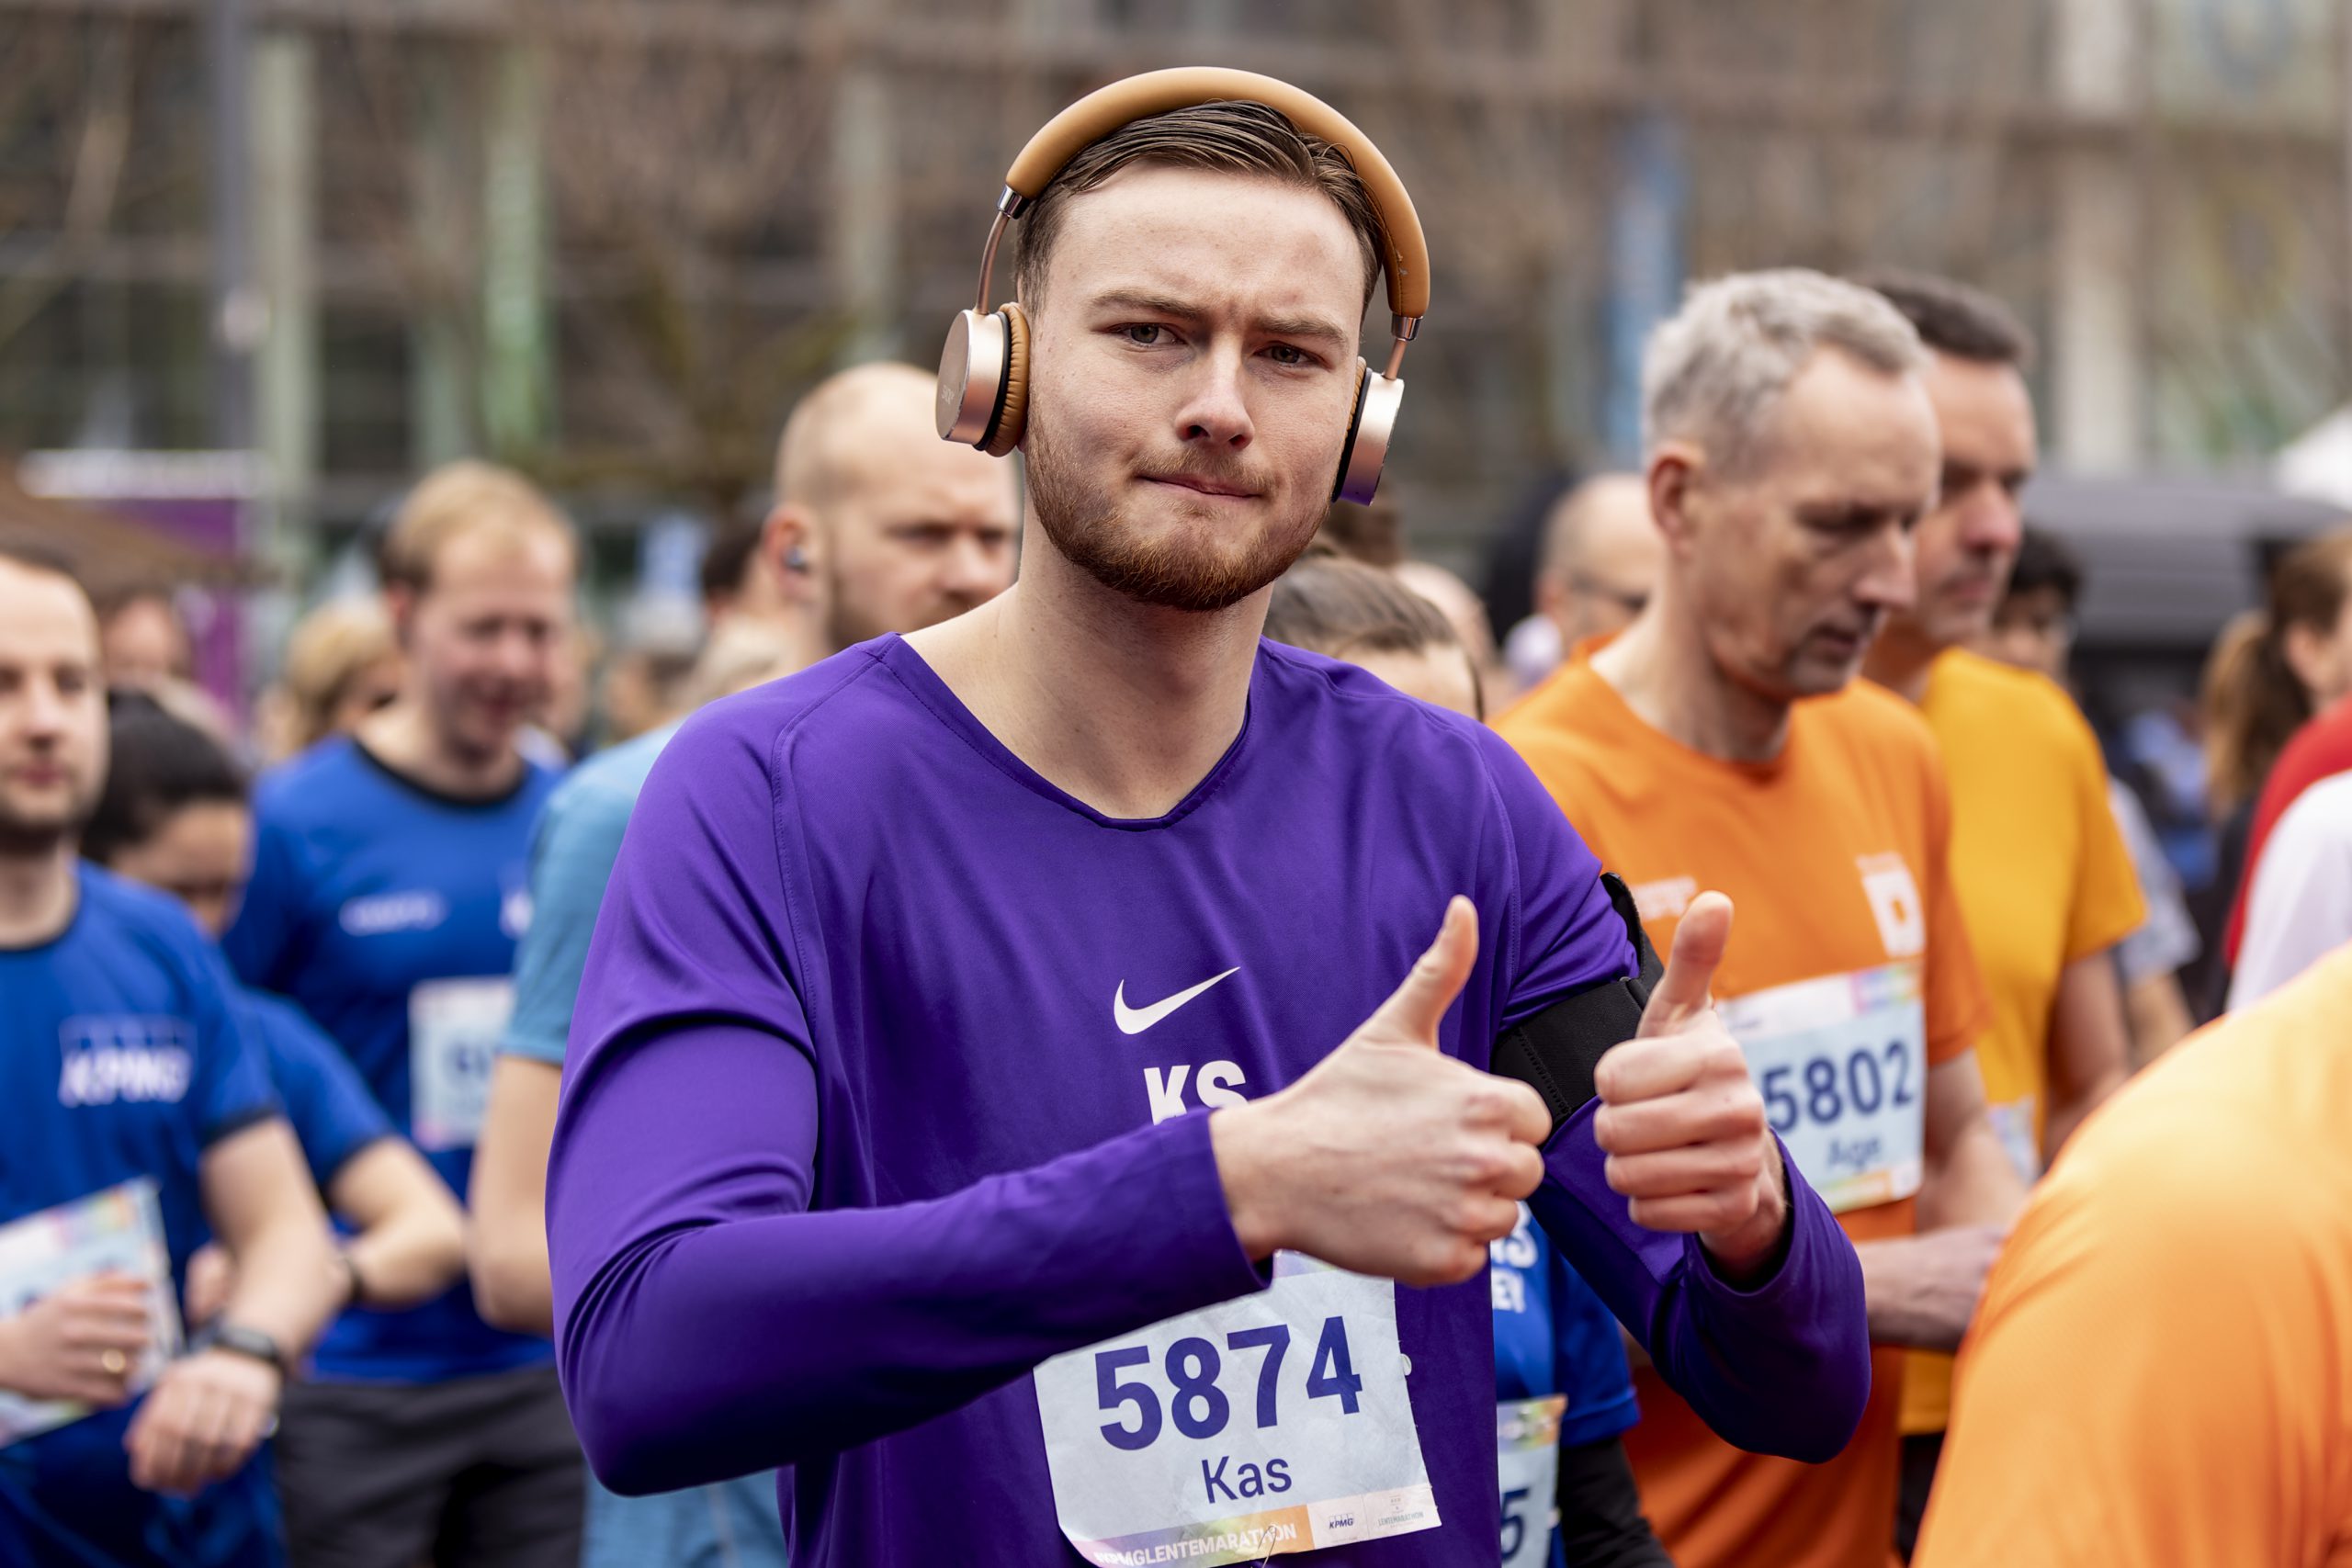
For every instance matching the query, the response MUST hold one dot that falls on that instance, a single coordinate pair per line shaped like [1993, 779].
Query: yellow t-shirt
[2161, 1373]
[2045, 878]
[1834, 853]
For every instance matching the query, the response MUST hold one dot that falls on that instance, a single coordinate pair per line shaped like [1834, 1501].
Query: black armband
[1558, 1050]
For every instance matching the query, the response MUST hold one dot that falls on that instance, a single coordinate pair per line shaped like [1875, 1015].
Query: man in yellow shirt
[2161, 1373]
[2045, 880]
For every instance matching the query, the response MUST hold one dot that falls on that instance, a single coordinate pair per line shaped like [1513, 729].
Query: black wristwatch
[239, 1340]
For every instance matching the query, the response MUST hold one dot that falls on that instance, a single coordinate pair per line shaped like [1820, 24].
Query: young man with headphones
[853, 1174]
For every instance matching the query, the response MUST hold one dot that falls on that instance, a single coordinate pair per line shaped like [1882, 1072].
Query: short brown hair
[1230, 136]
[1952, 318]
[1330, 605]
[460, 498]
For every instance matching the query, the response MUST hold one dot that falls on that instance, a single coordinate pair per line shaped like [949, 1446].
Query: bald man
[1601, 557]
[879, 526]
[902, 530]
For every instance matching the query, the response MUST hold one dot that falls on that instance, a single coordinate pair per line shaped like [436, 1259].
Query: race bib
[1527, 1435]
[453, 1029]
[120, 1229]
[2015, 1123]
[1842, 1063]
[1274, 1424]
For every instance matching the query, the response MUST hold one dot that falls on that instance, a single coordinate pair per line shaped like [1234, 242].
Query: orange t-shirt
[1833, 854]
[2043, 879]
[2161, 1371]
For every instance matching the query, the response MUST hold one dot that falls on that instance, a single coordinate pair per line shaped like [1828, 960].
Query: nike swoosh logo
[1135, 1021]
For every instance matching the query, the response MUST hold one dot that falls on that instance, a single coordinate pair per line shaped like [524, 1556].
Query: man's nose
[1888, 581]
[1215, 411]
[1991, 518]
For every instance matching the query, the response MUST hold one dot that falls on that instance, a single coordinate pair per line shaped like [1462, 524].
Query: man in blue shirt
[138, 1118]
[174, 816]
[851, 1173]
[387, 892]
[873, 517]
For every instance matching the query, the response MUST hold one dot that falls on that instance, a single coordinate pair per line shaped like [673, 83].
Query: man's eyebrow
[1319, 327]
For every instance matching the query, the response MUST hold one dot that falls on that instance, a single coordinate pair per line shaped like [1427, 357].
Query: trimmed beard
[1091, 534]
[24, 839]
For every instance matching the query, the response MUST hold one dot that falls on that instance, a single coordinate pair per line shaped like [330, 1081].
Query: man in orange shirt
[2045, 881]
[2162, 1372]
[1722, 742]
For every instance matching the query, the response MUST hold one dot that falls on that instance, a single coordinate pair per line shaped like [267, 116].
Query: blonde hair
[2254, 701]
[328, 649]
[462, 498]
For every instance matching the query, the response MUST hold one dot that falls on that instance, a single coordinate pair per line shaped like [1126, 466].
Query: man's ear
[789, 546]
[400, 603]
[1673, 469]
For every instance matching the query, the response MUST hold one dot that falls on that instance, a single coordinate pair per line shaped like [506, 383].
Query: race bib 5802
[1841, 1062]
[1278, 1423]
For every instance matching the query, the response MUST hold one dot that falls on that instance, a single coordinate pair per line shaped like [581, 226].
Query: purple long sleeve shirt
[876, 1100]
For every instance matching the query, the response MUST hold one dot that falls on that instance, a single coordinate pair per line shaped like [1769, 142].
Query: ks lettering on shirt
[388, 913]
[770, 959]
[122, 1059]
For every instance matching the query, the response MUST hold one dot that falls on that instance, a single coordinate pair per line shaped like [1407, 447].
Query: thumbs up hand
[1681, 1120]
[1389, 1158]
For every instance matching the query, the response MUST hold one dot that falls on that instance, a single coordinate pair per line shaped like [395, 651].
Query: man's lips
[1224, 489]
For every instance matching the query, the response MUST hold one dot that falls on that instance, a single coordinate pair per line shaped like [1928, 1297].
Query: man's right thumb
[1415, 1009]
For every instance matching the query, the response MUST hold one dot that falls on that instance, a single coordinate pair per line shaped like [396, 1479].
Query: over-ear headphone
[984, 370]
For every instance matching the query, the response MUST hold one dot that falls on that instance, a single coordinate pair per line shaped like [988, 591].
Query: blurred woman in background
[2271, 670]
[341, 665]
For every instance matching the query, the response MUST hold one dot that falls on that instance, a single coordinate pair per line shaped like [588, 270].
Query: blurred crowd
[402, 859]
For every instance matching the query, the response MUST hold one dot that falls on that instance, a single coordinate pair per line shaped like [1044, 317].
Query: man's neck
[38, 892]
[404, 739]
[1900, 658]
[1125, 707]
[1662, 668]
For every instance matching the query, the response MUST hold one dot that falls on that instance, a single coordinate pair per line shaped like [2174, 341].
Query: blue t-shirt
[731, 1522]
[376, 903]
[1554, 1336]
[121, 1057]
[886, 1085]
[333, 1115]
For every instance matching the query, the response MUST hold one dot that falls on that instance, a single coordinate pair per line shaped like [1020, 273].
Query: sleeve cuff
[236, 1122]
[1205, 1239]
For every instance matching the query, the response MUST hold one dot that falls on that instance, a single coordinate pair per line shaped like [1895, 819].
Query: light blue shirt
[734, 1524]
[579, 839]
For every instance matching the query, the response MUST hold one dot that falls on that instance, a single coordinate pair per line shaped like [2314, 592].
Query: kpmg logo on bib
[381, 914]
[127, 1059]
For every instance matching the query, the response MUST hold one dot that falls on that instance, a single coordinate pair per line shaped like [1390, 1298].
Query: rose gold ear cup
[971, 377]
[1012, 411]
[1378, 398]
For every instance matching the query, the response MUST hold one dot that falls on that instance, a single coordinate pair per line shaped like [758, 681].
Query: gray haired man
[1723, 741]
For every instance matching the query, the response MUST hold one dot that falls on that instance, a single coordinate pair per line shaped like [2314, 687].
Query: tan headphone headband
[983, 399]
[1095, 116]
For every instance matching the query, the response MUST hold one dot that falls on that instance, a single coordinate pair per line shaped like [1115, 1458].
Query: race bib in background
[1278, 1423]
[454, 1029]
[2017, 1123]
[1527, 1439]
[1841, 1062]
[120, 1229]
